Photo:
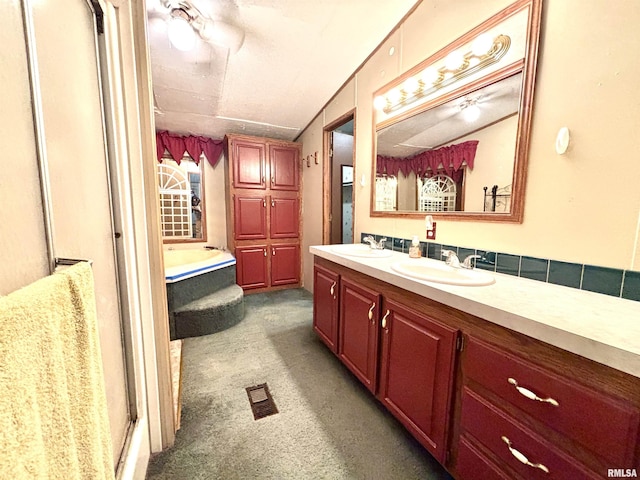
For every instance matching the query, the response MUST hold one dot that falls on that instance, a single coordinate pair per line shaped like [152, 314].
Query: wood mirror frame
[526, 65]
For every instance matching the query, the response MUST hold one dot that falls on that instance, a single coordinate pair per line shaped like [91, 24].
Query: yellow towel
[53, 410]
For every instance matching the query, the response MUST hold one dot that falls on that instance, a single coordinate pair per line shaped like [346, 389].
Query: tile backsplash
[609, 281]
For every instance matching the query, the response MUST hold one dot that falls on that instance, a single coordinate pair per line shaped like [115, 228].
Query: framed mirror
[452, 134]
[182, 206]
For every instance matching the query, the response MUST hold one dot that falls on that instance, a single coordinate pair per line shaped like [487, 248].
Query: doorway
[339, 172]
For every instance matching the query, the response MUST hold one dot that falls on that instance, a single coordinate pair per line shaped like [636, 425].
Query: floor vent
[261, 401]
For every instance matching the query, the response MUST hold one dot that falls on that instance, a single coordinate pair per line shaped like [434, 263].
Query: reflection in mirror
[452, 133]
[182, 210]
[442, 159]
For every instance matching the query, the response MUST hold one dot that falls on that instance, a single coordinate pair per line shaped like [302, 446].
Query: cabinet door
[284, 164]
[358, 337]
[416, 373]
[248, 164]
[285, 264]
[250, 219]
[325, 306]
[285, 218]
[251, 266]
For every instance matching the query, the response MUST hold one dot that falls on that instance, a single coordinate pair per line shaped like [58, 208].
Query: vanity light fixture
[483, 52]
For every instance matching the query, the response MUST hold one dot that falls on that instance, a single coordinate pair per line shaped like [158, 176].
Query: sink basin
[439, 272]
[359, 250]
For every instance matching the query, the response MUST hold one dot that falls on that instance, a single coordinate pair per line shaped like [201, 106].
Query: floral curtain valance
[176, 145]
[447, 159]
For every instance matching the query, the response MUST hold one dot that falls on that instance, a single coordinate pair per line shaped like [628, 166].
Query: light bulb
[411, 85]
[481, 45]
[379, 102]
[429, 76]
[471, 113]
[454, 60]
[181, 34]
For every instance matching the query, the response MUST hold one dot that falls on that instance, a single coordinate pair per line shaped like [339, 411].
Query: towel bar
[70, 261]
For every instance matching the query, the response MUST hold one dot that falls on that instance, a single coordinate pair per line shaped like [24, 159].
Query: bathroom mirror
[182, 207]
[452, 134]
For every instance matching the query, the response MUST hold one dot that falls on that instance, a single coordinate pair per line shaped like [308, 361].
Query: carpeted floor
[328, 426]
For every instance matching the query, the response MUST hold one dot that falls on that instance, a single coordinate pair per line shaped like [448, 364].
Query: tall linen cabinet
[264, 211]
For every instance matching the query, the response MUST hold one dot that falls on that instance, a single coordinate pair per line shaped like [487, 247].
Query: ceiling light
[181, 35]
[482, 45]
[469, 109]
[379, 102]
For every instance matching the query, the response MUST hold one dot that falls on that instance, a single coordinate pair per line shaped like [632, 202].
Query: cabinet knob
[264, 203]
[522, 458]
[333, 289]
[371, 311]
[273, 251]
[273, 203]
[531, 395]
[265, 252]
[273, 180]
[384, 319]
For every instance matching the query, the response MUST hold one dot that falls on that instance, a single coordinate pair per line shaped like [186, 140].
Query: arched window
[175, 202]
[437, 194]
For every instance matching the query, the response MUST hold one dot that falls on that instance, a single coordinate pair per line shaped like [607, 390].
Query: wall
[581, 207]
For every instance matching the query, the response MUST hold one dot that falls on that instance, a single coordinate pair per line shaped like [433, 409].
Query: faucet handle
[467, 261]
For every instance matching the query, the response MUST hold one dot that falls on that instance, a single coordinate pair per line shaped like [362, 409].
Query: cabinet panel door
[250, 220]
[285, 218]
[416, 375]
[285, 264]
[248, 163]
[325, 306]
[251, 266]
[358, 337]
[284, 164]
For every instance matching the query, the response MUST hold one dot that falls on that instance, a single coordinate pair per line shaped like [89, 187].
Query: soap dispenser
[414, 249]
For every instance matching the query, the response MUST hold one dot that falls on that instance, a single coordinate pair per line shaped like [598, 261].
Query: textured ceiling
[296, 54]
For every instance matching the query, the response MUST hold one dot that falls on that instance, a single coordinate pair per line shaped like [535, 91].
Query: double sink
[426, 269]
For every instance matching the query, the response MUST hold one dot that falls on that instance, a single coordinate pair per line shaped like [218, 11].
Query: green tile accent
[563, 273]
[534, 268]
[631, 286]
[602, 280]
[509, 264]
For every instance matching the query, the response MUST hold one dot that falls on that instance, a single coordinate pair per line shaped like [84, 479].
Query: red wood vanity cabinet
[403, 357]
[485, 401]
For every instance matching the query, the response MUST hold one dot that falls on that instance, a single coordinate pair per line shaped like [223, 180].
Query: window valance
[447, 159]
[176, 145]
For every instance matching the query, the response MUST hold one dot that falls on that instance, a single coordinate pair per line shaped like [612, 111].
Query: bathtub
[191, 262]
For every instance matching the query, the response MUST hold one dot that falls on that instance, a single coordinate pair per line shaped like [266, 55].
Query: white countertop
[600, 327]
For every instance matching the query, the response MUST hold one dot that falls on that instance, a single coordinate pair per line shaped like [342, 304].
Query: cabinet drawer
[514, 444]
[600, 423]
[472, 465]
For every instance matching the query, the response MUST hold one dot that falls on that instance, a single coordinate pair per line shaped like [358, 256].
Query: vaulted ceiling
[294, 56]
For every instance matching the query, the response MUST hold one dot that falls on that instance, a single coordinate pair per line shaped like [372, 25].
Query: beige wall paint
[580, 207]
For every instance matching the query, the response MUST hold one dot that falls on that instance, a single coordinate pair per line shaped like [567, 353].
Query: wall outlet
[431, 233]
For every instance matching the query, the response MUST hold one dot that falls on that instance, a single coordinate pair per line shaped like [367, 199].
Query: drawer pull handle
[522, 458]
[530, 395]
[371, 311]
[333, 288]
[384, 319]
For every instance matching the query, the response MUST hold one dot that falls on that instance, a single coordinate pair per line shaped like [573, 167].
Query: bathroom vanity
[519, 379]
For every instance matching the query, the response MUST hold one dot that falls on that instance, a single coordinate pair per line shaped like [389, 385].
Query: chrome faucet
[373, 244]
[452, 259]
[468, 261]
